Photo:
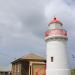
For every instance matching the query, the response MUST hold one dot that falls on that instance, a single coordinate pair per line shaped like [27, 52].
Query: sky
[24, 22]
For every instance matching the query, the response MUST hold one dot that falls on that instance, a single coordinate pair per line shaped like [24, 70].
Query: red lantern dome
[55, 20]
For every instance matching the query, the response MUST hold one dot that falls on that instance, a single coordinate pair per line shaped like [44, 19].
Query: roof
[33, 56]
[30, 57]
[4, 71]
[55, 20]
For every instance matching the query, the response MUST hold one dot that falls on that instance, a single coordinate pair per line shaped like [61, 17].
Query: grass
[73, 72]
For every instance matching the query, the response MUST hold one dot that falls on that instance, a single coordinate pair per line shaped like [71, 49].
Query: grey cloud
[16, 36]
[23, 23]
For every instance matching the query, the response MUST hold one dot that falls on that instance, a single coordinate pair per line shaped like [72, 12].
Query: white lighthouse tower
[56, 40]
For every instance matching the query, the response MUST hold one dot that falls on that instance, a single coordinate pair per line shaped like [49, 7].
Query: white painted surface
[58, 72]
[58, 50]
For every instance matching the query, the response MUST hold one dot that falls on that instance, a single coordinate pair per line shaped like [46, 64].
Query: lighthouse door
[38, 69]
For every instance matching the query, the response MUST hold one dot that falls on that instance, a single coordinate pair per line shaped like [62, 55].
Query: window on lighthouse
[55, 26]
[52, 59]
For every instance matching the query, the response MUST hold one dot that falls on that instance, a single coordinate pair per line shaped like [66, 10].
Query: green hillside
[73, 72]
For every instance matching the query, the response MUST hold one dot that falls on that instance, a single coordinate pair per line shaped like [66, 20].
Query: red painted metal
[56, 32]
[55, 20]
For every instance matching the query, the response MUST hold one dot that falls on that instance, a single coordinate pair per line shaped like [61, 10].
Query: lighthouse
[56, 43]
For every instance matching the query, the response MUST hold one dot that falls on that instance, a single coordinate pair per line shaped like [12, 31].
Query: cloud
[23, 23]
[20, 22]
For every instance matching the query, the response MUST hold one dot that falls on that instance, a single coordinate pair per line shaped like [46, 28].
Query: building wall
[16, 68]
[25, 68]
[5, 73]
[20, 68]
